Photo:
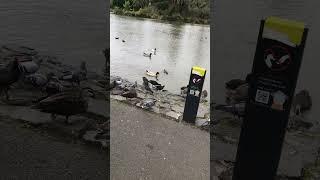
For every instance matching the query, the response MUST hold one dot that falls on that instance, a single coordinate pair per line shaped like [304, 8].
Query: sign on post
[274, 76]
[196, 81]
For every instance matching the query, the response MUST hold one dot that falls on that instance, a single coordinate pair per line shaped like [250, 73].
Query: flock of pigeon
[64, 96]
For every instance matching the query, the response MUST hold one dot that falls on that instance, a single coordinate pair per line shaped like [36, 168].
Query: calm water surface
[179, 47]
[74, 30]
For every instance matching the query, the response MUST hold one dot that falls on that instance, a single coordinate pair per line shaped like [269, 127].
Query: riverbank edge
[160, 114]
[167, 18]
[136, 103]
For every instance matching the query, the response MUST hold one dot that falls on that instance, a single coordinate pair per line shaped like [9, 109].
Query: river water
[73, 30]
[236, 26]
[179, 47]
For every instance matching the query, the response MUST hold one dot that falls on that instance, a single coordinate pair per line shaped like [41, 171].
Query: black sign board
[271, 88]
[196, 81]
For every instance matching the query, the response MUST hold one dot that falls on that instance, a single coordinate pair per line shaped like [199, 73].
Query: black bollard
[196, 81]
[271, 88]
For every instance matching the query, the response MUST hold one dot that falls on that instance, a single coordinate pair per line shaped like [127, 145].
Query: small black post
[196, 81]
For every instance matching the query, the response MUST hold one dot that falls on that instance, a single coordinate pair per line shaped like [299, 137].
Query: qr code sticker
[262, 96]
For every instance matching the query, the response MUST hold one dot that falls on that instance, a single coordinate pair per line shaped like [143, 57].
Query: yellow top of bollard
[198, 70]
[293, 29]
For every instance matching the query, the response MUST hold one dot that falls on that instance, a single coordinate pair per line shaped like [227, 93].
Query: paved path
[147, 146]
[28, 154]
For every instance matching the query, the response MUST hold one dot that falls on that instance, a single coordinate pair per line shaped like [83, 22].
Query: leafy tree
[118, 3]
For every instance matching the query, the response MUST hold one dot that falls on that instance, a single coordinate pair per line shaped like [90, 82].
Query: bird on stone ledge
[68, 103]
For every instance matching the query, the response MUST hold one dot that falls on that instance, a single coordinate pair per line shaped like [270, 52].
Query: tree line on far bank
[195, 11]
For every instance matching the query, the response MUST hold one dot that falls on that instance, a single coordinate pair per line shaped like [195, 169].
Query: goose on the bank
[146, 84]
[154, 83]
[9, 74]
[302, 102]
[150, 73]
[159, 87]
[68, 103]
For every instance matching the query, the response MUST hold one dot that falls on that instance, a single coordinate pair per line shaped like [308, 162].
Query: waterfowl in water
[149, 73]
[302, 102]
[68, 103]
[146, 54]
[9, 74]
[165, 71]
[123, 41]
[154, 51]
[116, 37]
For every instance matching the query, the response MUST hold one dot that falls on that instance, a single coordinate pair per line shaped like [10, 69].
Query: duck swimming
[154, 51]
[146, 54]
[68, 103]
[165, 71]
[150, 73]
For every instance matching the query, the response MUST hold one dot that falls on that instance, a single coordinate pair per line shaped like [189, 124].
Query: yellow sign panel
[292, 29]
[198, 70]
